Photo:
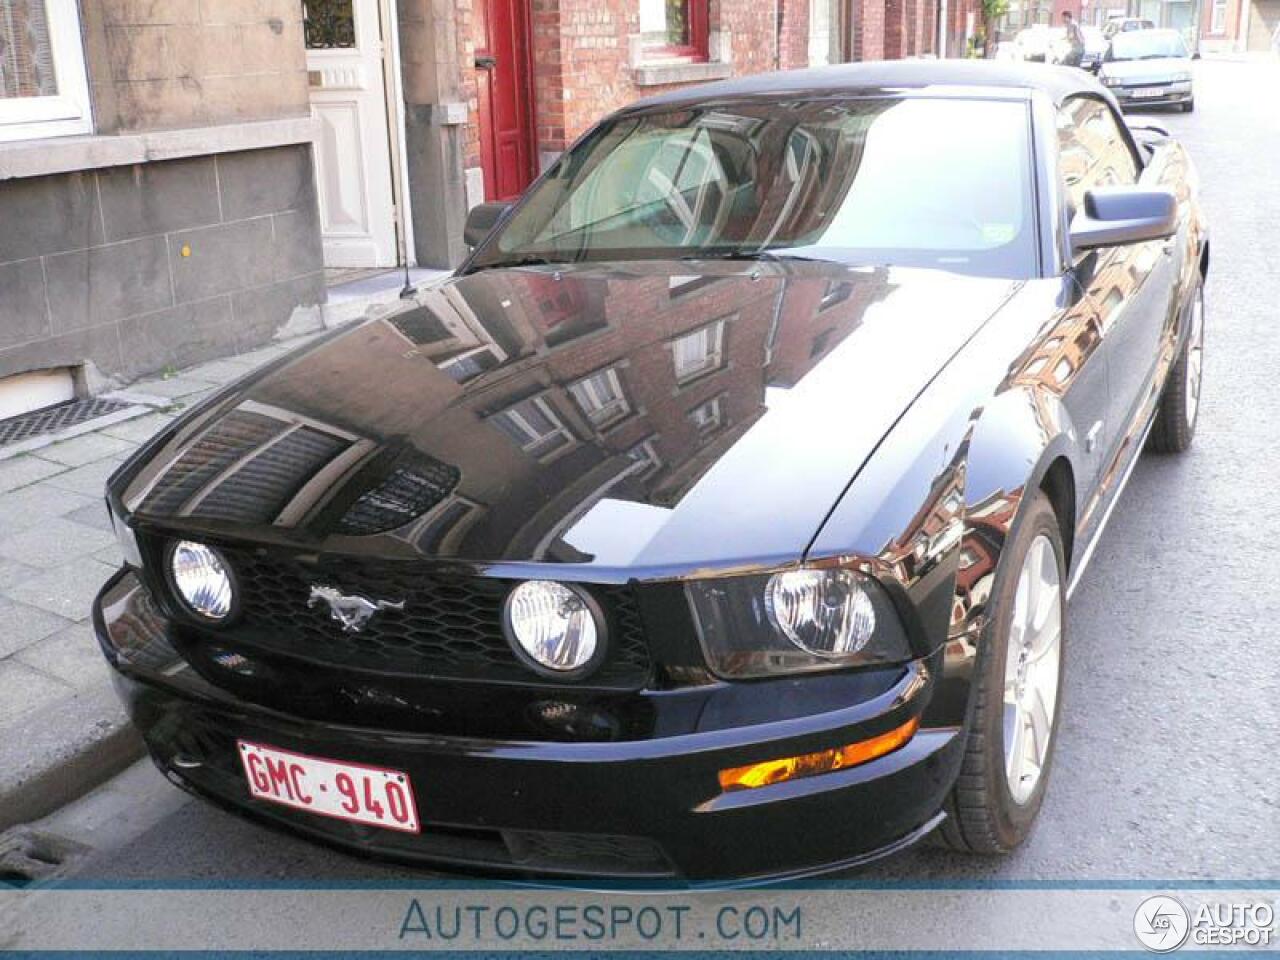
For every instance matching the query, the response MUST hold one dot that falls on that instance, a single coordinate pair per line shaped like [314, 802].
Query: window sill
[659, 73]
[36, 158]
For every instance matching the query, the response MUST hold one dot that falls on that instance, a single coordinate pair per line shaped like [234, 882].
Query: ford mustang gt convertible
[714, 522]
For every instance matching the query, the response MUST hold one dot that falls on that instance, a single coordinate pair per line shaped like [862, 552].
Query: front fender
[929, 513]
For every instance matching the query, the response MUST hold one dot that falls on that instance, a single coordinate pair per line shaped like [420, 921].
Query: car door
[1126, 288]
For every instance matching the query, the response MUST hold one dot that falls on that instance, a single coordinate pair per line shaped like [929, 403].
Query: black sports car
[715, 521]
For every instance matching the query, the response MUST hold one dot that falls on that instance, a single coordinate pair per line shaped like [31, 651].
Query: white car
[1149, 68]
[1034, 43]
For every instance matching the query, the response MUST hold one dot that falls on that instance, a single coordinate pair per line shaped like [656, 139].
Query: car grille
[450, 627]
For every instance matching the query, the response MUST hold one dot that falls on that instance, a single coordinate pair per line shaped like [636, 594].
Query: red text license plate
[347, 791]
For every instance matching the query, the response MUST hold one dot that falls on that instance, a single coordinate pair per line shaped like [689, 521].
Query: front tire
[1011, 738]
[1175, 423]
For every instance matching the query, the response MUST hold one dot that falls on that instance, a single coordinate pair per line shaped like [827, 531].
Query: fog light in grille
[556, 629]
[202, 580]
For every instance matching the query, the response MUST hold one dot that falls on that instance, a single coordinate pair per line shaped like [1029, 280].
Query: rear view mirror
[480, 220]
[1113, 216]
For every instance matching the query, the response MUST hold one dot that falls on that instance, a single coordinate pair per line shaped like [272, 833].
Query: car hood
[1146, 71]
[642, 418]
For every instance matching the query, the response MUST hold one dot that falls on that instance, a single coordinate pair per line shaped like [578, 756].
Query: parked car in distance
[1148, 68]
[1095, 47]
[1116, 25]
[1034, 43]
[715, 521]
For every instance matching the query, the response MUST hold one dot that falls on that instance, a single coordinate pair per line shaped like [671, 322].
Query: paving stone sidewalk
[61, 728]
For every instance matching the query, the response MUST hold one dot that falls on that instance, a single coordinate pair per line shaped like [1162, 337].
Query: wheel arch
[1024, 443]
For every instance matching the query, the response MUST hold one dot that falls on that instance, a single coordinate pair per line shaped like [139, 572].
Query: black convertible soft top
[884, 75]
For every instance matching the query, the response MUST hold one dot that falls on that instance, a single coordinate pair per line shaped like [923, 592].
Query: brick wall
[177, 63]
[583, 63]
[793, 34]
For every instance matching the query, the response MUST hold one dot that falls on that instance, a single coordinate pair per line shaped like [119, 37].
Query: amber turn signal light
[811, 764]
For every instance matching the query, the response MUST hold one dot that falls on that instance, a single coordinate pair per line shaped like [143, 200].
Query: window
[601, 398]
[707, 416]
[645, 457]
[534, 426]
[469, 364]
[44, 91]
[1093, 150]
[674, 28]
[1218, 23]
[329, 24]
[696, 353]
[837, 292]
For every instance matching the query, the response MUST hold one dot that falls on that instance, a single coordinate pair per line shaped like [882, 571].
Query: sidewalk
[61, 728]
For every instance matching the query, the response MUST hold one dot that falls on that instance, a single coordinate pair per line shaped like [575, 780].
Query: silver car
[1149, 68]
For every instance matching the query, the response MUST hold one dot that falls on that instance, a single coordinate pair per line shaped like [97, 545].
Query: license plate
[1148, 92]
[330, 788]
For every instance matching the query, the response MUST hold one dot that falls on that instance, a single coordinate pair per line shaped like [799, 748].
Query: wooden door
[504, 73]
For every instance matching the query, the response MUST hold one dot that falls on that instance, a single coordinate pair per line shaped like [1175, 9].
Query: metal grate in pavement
[52, 419]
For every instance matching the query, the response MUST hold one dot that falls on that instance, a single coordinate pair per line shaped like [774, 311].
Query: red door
[504, 72]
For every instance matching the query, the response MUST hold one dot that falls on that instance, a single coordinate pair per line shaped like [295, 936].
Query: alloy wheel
[1032, 663]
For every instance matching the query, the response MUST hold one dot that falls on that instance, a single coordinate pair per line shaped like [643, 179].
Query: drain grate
[53, 419]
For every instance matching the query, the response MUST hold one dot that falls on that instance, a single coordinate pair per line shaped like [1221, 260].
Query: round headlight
[823, 612]
[553, 627]
[202, 579]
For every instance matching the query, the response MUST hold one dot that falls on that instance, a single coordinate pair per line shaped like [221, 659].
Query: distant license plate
[330, 788]
[1147, 93]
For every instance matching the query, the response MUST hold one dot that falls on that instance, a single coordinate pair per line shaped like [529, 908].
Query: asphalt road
[1166, 762]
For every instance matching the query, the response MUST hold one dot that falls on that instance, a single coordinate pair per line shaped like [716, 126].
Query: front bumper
[647, 810]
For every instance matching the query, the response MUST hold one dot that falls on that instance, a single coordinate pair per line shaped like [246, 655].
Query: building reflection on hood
[550, 415]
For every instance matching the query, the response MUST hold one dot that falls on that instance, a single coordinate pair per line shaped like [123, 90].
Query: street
[1172, 701]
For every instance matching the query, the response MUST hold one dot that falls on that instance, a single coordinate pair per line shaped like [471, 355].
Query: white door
[353, 151]
[819, 33]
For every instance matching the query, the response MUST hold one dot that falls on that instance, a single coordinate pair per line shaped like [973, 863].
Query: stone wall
[139, 268]
[158, 64]
[208, 249]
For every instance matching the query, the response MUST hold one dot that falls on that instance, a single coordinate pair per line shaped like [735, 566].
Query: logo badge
[1161, 924]
[350, 610]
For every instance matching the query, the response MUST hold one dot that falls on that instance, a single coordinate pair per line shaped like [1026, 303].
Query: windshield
[878, 181]
[1147, 45]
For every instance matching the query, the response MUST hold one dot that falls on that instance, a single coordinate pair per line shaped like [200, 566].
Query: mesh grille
[416, 485]
[53, 419]
[451, 625]
[585, 850]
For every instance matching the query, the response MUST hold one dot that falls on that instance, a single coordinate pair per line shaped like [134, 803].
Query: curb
[60, 753]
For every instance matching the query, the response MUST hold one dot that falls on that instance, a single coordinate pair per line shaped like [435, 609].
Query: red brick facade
[586, 58]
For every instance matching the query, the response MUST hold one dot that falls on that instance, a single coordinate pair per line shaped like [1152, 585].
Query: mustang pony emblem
[352, 611]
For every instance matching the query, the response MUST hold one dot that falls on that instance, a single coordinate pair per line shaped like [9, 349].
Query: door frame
[524, 75]
[393, 86]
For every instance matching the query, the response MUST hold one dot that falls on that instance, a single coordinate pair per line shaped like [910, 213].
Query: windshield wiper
[772, 256]
[527, 260]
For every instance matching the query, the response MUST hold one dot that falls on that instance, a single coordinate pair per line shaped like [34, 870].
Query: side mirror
[1113, 216]
[480, 220]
